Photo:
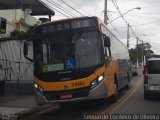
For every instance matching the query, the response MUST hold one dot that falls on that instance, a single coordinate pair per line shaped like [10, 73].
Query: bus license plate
[66, 96]
[155, 87]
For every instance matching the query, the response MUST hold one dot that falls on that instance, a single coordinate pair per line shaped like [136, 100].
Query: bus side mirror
[107, 42]
[25, 49]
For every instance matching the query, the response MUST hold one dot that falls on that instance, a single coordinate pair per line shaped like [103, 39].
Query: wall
[15, 70]
[16, 73]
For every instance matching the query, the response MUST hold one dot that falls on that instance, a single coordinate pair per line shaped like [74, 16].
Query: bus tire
[38, 103]
[115, 97]
[128, 82]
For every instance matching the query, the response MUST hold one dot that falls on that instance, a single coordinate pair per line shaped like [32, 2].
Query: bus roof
[78, 18]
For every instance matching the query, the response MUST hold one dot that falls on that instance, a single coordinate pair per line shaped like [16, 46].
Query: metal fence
[14, 68]
[13, 65]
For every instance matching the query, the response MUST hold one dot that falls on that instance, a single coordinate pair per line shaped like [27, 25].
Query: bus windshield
[68, 51]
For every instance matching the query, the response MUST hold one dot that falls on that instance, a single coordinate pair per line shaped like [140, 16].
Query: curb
[34, 110]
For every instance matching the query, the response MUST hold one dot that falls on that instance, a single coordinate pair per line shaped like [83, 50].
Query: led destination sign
[66, 25]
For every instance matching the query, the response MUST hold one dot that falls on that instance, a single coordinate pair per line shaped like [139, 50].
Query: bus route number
[78, 84]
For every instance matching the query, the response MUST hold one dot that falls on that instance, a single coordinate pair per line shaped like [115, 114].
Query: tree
[133, 53]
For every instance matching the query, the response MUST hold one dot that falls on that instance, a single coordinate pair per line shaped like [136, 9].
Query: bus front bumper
[99, 92]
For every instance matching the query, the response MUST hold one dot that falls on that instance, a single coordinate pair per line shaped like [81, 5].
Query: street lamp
[138, 8]
[137, 48]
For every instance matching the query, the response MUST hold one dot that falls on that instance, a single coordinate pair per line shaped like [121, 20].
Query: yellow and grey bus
[76, 60]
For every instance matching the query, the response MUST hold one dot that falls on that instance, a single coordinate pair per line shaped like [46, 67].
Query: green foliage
[21, 35]
[18, 35]
[133, 53]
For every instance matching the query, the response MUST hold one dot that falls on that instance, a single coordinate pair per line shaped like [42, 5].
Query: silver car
[134, 70]
[151, 77]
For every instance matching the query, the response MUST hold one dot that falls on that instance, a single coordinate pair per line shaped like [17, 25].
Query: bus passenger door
[109, 70]
[109, 76]
[109, 67]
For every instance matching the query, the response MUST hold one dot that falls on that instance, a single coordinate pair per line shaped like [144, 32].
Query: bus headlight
[38, 88]
[35, 85]
[97, 81]
[100, 79]
[94, 84]
[41, 89]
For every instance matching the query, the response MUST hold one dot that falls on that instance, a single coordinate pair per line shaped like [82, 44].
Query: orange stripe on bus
[71, 84]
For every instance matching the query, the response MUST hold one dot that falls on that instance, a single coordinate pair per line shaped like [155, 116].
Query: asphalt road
[130, 102]
[137, 104]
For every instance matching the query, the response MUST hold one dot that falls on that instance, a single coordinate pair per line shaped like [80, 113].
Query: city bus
[77, 59]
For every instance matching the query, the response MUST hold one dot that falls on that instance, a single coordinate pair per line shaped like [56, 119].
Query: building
[17, 19]
[16, 73]
[19, 14]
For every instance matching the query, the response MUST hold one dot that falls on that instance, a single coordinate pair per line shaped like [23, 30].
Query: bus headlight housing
[94, 84]
[41, 89]
[100, 79]
[38, 88]
[97, 81]
[35, 85]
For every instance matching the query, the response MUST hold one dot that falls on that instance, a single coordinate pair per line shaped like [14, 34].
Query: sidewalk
[16, 104]
[19, 106]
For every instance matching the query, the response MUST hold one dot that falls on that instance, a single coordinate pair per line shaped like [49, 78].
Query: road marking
[121, 101]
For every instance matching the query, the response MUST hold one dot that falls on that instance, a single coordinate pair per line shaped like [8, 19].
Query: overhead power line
[133, 12]
[133, 31]
[54, 8]
[146, 23]
[76, 4]
[59, 7]
[116, 28]
[116, 5]
[72, 7]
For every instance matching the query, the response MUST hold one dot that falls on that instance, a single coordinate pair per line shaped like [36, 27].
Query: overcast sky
[145, 22]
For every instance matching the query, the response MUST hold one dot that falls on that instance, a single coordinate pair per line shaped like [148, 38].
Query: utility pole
[127, 35]
[137, 52]
[142, 54]
[21, 4]
[105, 12]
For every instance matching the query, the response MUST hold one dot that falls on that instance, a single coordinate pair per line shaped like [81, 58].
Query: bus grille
[75, 94]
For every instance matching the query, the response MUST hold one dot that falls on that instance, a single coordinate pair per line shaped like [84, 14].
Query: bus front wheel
[37, 101]
[114, 97]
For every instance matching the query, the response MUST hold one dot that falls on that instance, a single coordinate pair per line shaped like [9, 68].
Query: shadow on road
[154, 97]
